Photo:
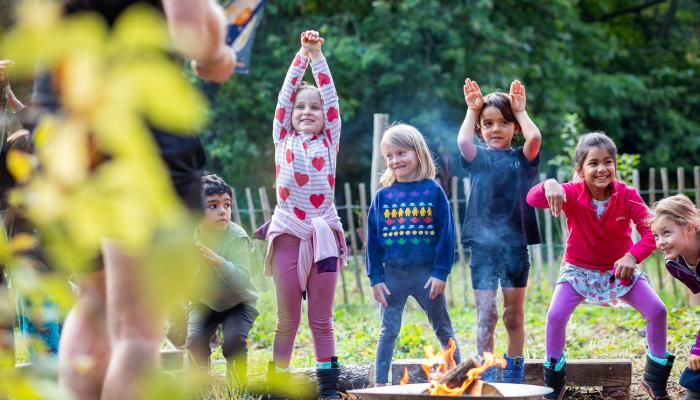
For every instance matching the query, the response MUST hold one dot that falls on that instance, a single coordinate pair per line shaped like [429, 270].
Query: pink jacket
[317, 239]
[596, 243]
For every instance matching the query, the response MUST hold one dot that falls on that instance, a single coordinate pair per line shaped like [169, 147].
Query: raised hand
[311, 43]
[472, 95]
[517, 96]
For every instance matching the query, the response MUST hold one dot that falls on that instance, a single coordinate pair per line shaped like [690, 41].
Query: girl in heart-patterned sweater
[306, 242]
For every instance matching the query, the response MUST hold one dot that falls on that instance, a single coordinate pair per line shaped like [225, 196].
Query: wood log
[582, 372]
[457, 375]
[351, 376]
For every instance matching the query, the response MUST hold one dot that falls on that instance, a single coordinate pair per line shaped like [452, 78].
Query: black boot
[555, 380]
[656, 377]
[327, 380]
[277, 383]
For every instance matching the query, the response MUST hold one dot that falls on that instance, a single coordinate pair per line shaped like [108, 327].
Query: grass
[592, 332]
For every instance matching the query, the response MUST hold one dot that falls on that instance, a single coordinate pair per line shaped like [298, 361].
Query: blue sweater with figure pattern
[410, 225]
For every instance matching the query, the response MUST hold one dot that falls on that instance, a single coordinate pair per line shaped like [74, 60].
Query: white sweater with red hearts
[305, 163]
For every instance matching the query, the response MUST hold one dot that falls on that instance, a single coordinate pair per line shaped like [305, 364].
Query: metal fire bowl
[415, 391]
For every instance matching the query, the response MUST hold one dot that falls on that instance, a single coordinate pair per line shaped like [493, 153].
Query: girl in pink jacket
[600, 260]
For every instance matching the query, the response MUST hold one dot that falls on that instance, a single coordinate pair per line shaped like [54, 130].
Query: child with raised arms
[306, 240]
[499, 224]
[676, 225]
[410, 242]
[600, 259]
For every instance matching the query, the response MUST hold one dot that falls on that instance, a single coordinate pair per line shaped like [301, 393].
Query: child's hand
[311, 43]
[694, 362]
[555, 196]
[472, 95]
[517, 96]
[209, 254]
[436, 285]
[625, 266]
[379, 292]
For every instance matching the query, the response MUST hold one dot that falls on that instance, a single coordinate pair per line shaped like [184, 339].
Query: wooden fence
[352, 203]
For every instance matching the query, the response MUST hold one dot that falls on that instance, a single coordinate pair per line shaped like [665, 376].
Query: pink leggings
[320, 291]
[642, 297]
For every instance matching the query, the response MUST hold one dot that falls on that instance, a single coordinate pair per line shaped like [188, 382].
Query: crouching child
[230, 296]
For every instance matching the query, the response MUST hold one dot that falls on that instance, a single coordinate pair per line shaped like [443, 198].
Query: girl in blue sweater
[410, 242]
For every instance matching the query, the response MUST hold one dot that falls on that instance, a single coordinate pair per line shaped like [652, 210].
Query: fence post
[548, 241]
[264, 204]
[353, 238]
[362, 188]
[380, 123]
[458, 230]
[652, 185]
[467, 187]
[234, 207]
[561, 217]
[251, 209]
[680, 175]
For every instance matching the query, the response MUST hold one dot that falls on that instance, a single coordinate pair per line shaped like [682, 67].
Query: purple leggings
[642, 297]
[320, 290]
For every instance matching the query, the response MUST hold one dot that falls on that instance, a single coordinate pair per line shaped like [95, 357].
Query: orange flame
[404, 378]
[437, 366]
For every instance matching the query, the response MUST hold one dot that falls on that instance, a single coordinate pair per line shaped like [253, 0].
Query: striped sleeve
[283, 112]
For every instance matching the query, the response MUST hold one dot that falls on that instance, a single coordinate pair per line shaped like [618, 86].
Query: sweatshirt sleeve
[639, 212]
[285, 100]
[235, 270]
[445, 246]
[329, 98]
[375, 267]
[536, 197]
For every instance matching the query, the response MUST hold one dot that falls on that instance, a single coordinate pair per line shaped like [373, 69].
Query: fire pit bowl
[416, 391]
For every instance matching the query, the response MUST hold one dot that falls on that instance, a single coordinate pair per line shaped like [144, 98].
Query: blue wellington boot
[513, 372]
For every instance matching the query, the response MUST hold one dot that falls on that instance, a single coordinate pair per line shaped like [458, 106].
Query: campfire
[446, 378]
[452, 382]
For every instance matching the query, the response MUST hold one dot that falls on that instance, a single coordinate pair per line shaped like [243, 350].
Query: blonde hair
[408, 137]
[678, 209]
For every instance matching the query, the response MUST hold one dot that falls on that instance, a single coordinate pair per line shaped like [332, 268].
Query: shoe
[327, 380]
[277, 382]
[555, 379]
[656, 377]
[513, 372]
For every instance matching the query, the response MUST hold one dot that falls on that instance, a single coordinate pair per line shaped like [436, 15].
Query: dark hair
[212, 184]
[501, 101]
[590, 140]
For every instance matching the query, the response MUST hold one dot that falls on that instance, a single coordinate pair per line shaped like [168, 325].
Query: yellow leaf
[65, 157]
[81, 83]
[19, 164]
[140, 26]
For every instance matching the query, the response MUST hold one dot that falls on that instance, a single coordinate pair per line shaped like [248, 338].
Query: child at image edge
[498, 223]
[410, 242]
[676, 226]
[600, 259]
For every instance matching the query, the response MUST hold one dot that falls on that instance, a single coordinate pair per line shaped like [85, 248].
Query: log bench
[613, 375]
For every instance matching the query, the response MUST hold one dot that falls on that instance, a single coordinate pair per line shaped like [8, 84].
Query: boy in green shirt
[230, 296]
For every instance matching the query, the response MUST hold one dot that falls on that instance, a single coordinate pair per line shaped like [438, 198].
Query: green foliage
[626, 163]
[634, 75]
